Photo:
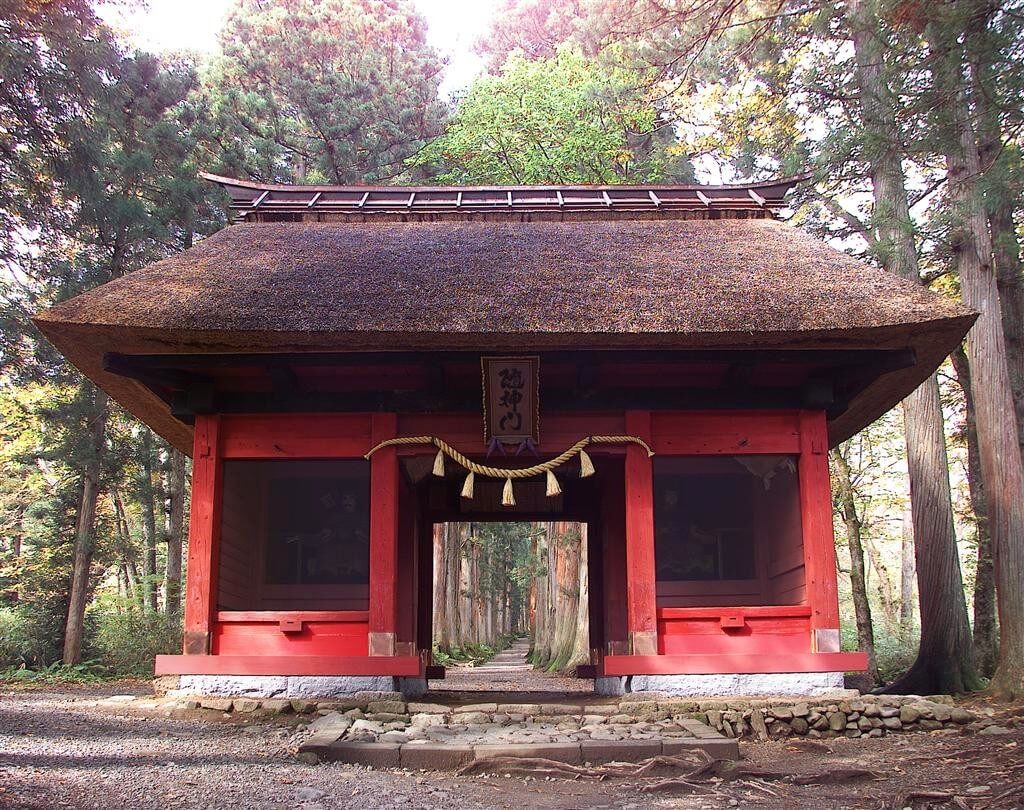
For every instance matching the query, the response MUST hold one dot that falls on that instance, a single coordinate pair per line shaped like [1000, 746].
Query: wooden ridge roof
[255, 201]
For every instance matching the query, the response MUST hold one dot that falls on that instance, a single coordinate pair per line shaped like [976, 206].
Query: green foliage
[339, 91]
[126, 639]
[566, 119]
[56, 673]
[894, 652]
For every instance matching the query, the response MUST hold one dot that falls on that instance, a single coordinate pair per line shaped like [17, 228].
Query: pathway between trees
[510, 671]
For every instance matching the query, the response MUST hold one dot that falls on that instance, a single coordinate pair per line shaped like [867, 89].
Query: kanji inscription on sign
[511, 405]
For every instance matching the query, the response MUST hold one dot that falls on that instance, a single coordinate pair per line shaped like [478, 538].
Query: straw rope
[520, 472]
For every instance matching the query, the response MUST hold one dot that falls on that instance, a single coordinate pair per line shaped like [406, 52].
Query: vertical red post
[383, 537]
[641, 588]
[203, 536]
[819, 539]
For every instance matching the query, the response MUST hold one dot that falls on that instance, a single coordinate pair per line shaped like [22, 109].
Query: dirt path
[509, 671]
[58, 749]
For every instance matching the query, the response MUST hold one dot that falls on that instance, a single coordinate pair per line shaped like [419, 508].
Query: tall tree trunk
[998, 442]
[580, 653]
[851, 520]
[885, 592]
[568, 596]
[453, 561]
[945, 657]
[175, 532]
[440, 582]
[131, 574]
[1001, 200]
[906, 573]
[85, 529]
[984, 625]
[147, 496]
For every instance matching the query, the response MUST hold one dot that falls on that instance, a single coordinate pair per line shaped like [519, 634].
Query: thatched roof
[667, 284]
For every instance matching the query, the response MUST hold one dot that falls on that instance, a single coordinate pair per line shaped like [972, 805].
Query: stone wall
[843, 714]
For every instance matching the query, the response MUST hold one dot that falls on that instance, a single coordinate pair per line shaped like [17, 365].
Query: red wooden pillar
[641, 589]
[819, 540]
[203, 536]
[613, 546]
[384, 496]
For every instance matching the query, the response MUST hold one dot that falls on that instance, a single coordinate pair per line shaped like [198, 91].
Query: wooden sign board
[511, 401]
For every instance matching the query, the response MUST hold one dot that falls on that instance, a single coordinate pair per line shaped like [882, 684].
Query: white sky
[168, 25]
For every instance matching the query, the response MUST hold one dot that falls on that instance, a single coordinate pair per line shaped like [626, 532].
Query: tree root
[541, 766]
[907, 799]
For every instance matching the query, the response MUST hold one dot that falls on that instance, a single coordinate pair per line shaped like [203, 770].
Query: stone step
[448, 756]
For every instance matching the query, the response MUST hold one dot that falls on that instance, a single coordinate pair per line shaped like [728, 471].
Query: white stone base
[610, 686]
[781, 683]
[286, 686]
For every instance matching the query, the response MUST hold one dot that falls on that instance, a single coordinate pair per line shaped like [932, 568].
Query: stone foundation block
[598, 752]
[610, 686]
[376, 755]
[432, 756]
[310, 686]
[560, 752]
[254, 686]
[782, 683]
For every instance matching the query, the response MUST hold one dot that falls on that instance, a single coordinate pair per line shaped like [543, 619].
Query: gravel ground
[59, 749]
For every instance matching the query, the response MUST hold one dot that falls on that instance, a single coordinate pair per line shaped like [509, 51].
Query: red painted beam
[753, 611]
[203, 536]
[275, 616]
[403, 666]
[287, 435]
[697, 433]
[745, 664]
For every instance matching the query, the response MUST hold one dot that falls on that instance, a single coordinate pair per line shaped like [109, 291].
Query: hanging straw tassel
[553, 488]
[467, 488]
[586, 465]
[439, 464]
[508, 497]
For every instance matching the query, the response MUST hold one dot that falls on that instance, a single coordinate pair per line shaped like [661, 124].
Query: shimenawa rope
[508, 496]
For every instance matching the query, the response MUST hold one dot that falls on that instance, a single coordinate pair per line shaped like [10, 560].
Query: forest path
[512, 660]
[510, 672]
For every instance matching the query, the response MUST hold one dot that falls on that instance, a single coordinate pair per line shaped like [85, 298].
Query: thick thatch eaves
[665, 284]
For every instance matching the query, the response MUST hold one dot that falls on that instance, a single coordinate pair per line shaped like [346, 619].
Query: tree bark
[998, 442]
[984, 626]
[907, 573]
[131, 573]
[580, 653]
[945, 657]
[851, 520]
[175, 533]
[147, 495]
[85, 529]
[885, 593]
[1000, 203]
[440, 583]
